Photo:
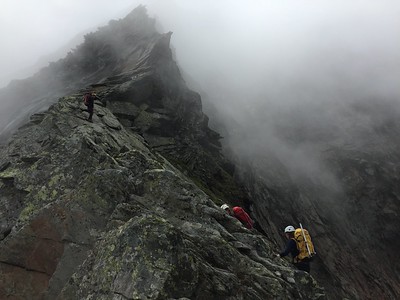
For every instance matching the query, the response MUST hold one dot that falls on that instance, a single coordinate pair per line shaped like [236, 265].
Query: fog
[244, 43]
[259, 65]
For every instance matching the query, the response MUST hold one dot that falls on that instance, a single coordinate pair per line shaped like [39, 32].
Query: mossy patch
[56, 179]
[9, 173]
[29, 210]
[43, 195]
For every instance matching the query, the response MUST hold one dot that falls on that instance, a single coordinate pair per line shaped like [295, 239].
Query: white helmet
[224, 206]
[289, 228]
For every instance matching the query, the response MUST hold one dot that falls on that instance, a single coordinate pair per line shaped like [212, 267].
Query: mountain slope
[126, 207]
[348, 197]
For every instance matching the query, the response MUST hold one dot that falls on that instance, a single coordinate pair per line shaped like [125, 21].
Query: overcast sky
[30, 29]
[249, 57]
[225, 38]
[238, 51]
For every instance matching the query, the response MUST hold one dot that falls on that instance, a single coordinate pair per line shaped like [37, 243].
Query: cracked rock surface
[127, 207]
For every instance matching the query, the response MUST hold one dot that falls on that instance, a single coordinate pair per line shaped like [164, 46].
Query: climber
[300, 251]
[239, 214]
[89, 102]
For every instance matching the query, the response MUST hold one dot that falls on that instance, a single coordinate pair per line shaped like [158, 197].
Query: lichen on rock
[99, 212]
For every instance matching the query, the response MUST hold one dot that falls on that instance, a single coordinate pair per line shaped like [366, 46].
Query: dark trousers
[303, 266]
[90, 110]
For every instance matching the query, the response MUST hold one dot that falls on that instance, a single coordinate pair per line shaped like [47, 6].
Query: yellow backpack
[304, 244]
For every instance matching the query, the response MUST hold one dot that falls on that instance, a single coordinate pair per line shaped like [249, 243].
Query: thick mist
[34, 33]
[277, 77]
[286, 79]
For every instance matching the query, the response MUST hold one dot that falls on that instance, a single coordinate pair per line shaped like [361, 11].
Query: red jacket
[243, 217]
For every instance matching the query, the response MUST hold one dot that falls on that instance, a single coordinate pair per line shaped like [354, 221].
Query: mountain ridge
[123, 208]
[127, 207]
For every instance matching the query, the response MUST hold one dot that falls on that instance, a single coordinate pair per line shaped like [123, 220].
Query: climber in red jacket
[239, 214]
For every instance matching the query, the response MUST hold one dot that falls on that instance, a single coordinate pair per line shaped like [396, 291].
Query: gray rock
[112, 122]
[96, 214]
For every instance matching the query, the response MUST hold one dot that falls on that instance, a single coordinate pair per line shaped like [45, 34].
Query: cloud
[32, 29]
[241, 40]
[263, 68]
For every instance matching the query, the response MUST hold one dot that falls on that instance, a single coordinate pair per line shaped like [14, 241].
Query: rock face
[127, 207]
[353, 216]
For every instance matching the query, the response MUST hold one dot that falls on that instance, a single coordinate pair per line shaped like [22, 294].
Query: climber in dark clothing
[291, 248]
[89, 102]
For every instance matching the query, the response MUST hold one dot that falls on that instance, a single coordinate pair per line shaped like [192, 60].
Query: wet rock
[112, 123]
[97, 214]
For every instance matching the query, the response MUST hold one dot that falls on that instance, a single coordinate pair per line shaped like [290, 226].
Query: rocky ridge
[126, 207]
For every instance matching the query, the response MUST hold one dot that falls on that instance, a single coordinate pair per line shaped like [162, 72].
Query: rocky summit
[126, 206]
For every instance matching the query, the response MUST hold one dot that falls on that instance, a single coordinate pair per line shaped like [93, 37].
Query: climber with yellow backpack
[300, 246]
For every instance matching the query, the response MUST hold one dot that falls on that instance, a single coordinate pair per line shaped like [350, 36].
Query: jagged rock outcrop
[123, 208]
[102, 216]
[109, 51]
